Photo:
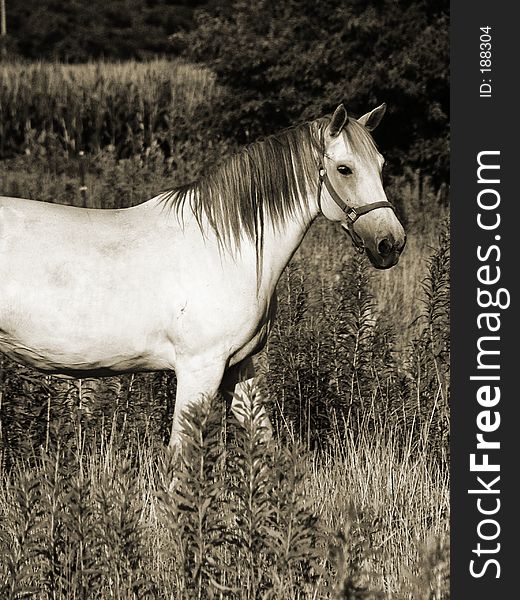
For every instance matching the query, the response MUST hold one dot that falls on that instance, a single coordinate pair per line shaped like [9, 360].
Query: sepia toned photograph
[225, 299]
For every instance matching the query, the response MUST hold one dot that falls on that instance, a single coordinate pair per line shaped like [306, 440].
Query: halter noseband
[352, 213]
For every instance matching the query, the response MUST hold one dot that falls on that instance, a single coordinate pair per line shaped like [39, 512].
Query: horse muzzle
[385, 252]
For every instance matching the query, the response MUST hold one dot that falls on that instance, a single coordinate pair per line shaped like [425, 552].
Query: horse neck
[281, 242]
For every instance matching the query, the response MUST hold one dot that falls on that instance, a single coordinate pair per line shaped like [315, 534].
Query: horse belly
[82, 343]
[73, 316]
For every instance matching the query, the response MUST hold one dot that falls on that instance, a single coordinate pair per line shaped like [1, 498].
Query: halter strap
[352, 213]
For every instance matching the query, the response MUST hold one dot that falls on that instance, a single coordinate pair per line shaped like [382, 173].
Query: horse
[186, 280]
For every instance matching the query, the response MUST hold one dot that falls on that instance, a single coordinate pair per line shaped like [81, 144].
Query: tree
[75, 31]
[287, 61]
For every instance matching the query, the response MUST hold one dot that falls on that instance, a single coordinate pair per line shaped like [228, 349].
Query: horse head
[351, 187]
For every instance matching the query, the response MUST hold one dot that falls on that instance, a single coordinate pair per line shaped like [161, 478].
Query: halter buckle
[351, 214]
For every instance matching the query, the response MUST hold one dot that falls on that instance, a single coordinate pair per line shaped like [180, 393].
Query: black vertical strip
[480, 124]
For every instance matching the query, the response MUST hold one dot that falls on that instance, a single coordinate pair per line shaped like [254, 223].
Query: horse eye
[344, 170]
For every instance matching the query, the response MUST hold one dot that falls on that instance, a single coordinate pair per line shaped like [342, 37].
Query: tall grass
[49, 108]
[249, 519]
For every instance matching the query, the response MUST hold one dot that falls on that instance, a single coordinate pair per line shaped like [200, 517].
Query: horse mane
[270, 179]
[266, 180]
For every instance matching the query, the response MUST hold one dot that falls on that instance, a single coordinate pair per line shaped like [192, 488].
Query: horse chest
[261, 333]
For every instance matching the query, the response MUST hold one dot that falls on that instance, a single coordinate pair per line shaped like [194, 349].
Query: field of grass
[351, 501]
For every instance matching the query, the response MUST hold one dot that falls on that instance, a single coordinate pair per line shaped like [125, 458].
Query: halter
[352, 213]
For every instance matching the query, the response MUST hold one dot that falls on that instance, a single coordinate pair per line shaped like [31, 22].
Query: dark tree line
[284, 61]
[278, 62]
[79, 30]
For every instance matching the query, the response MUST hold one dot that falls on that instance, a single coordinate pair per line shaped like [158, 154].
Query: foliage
[430, 356]
[275, 64]
[244, 521]
[283, 61]
[82, 530]
[76, 31]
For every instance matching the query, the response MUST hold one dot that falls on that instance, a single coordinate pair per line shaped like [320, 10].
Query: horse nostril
[385, 247]
[400, 244]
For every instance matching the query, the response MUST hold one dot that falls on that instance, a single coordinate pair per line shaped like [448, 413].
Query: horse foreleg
[237, 386]
[195, 381]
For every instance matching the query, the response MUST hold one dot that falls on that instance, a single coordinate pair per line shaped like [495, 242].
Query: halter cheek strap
[352, 213]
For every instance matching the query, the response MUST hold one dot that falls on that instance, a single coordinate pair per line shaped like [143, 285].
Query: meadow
[350, 501]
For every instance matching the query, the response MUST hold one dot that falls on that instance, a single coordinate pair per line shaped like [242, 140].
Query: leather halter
[352, 213]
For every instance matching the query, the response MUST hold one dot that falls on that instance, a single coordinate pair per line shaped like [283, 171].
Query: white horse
[186, 280]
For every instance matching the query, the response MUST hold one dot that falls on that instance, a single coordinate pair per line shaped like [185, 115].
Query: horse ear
[372, 119]
[339, 118]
